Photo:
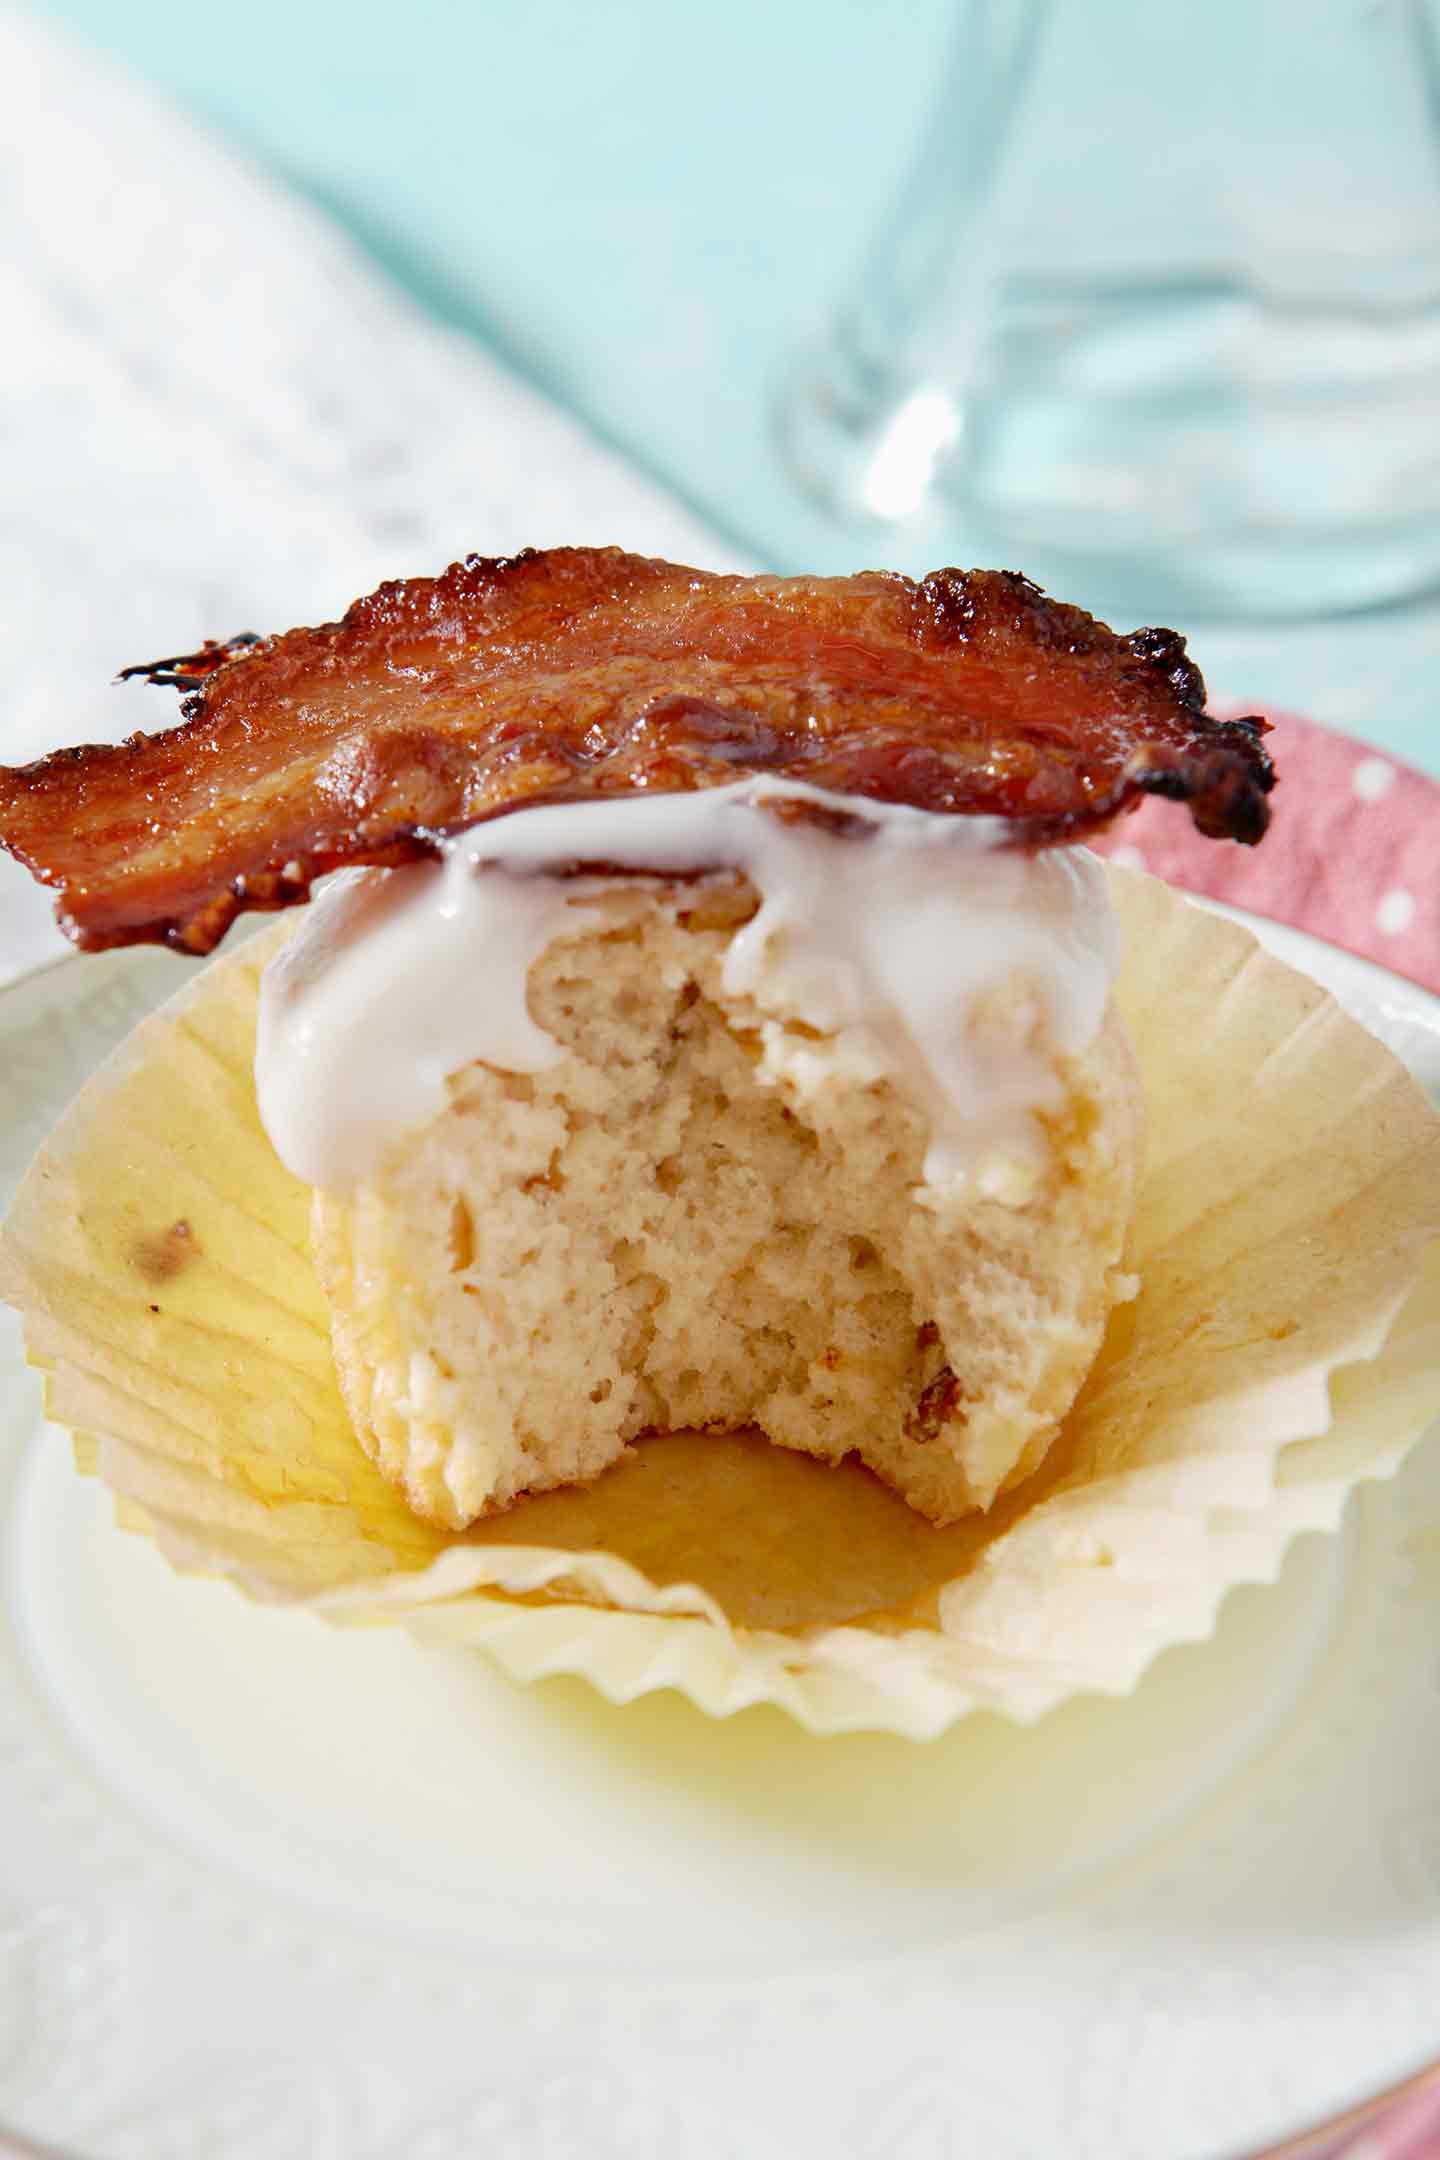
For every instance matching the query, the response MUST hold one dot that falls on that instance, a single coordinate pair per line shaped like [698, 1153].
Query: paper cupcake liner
[1285, 1345]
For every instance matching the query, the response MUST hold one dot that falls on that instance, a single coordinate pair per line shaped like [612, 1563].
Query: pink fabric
[1351, 855]
[1408, 2129]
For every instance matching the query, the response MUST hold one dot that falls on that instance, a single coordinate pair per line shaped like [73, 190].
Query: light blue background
[643, 204]
[647, 207]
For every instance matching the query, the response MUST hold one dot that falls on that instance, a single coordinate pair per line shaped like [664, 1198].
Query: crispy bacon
[438, 702]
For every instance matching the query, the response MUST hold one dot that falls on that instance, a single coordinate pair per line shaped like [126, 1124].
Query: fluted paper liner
[1285, 1344]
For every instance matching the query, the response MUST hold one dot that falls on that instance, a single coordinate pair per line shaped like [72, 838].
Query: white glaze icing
[925, 952]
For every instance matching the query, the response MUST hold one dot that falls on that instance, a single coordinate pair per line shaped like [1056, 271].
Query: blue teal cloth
[647, 206]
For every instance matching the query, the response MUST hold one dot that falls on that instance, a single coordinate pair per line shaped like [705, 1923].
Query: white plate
[269, 1892]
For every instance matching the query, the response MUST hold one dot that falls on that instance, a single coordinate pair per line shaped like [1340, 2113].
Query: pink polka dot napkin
[1350, 857]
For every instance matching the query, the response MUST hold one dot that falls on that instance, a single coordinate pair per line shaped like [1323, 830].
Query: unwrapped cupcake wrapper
[1284, 1345]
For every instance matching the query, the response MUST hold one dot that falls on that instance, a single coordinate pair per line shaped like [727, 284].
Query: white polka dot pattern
[1395, 913]
[1372, 778]
[1350, 856]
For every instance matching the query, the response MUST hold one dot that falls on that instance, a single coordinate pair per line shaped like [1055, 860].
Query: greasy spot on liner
[161, 1257]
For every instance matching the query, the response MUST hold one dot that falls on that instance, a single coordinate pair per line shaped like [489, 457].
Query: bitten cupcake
[714, 1046]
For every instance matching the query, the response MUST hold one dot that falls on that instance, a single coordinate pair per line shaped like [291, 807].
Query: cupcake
[712, 1154]
[715, 1054]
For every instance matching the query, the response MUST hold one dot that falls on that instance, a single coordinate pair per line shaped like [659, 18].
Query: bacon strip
[438, 702]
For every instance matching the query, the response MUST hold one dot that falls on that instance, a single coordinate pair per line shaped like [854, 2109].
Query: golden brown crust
[438, 702]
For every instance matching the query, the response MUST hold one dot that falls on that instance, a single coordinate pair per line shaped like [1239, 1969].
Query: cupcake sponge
[655, 1234]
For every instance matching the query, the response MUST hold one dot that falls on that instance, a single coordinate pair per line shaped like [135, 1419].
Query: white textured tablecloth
[215, 417]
